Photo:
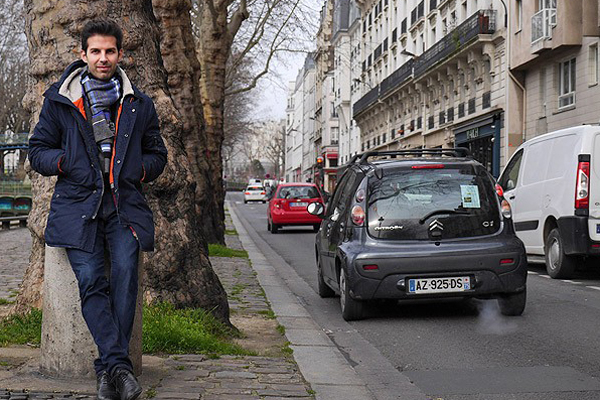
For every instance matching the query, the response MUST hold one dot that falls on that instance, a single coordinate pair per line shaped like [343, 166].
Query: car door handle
[512, 197]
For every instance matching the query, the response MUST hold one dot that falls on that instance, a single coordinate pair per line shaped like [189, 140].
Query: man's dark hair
[101, 27]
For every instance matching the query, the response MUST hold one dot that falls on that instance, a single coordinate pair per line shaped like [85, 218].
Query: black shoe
[126, 384]
[106, 389]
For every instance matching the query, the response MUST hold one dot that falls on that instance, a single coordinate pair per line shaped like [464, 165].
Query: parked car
[288, 206]
[255, 193]
[420, 224]
[552, 183]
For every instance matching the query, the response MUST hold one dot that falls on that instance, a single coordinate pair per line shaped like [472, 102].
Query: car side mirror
[316, 209]
[510, 185]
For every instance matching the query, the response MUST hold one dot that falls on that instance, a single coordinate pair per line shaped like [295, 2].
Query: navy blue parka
[63, 144]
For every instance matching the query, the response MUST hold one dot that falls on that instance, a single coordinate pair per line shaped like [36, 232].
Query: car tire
[264, 202]
[324, 290]
[513, 304]
[273, 228]
[558, 264]
[352, 309]
[245, 201]
[316, 227]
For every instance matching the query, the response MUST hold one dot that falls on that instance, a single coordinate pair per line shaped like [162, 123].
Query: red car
[288, 206]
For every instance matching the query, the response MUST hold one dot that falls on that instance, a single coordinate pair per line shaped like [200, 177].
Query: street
[456, 349]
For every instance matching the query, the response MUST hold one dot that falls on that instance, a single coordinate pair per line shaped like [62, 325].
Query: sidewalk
[272, 375]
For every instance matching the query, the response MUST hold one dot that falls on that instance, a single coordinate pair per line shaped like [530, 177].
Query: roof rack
[453, 152]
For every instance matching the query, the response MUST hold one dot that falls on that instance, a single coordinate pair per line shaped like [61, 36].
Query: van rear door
[594, 188]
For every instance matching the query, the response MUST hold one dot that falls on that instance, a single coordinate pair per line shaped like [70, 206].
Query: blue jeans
[108, 308]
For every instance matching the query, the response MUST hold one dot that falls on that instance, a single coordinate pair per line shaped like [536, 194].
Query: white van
[552, 183]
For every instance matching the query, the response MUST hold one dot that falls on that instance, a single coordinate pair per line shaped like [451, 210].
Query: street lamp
[408, 53]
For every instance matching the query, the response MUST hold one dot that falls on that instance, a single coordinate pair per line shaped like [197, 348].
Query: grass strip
[179, 331]
[22, 329]
[166, 330]
[217, 250]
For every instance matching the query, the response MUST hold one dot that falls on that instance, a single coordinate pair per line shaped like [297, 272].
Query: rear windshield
[298, 192]
[406, 204]
[255, 188]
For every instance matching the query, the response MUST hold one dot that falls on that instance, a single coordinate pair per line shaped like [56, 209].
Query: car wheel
[351, 309]
[316, 227]
[324, 290]
[264, 202]
[558, 264]
[274, 228]
[245, 201]
[513, 304]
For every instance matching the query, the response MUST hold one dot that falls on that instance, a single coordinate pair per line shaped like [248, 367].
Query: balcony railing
[542, 23]
[366, 100]
[482, 22]
[397, 77]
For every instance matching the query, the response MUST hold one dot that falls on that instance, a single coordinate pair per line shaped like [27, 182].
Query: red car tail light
[247, 193]
[358, 215]
[499, 190]
[582, 191]
[505, 261]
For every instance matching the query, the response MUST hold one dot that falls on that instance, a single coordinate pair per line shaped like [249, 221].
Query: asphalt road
[459, 349]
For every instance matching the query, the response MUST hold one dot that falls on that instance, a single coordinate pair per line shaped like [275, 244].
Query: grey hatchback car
[411, 224]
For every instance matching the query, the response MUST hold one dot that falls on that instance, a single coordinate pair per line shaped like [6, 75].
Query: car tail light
[277, 203]
[263, 192]
[371, 267]
[360, 195]
[428, 166]
[582, 192]
[499, 190]
[247, 193]
[506, 261]
[506, 211]
[358, 215]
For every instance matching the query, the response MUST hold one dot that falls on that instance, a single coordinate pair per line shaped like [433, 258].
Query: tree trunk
[178, 50]
[214, 50]
[178, 270]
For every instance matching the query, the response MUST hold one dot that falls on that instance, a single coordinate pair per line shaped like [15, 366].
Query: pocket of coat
[67, 160]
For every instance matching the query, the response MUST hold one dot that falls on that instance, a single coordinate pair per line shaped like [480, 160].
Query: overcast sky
[273, 91]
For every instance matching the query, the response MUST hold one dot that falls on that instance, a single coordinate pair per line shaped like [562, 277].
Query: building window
[566, 83]
[593, 64]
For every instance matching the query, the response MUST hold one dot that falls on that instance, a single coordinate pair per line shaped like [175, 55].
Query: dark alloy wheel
[558, 264]
[324, 290]
[513, 304]
[351, 309]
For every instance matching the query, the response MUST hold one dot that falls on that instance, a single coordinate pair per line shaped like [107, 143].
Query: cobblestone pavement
[15, 245]
[234, 377]
[190, 376]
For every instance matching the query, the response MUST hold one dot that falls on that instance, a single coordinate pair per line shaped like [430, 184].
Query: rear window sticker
[470, 196]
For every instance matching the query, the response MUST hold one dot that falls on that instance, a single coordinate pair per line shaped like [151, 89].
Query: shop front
[482, 137]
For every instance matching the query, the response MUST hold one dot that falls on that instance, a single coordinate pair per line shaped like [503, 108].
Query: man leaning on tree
[100, 135]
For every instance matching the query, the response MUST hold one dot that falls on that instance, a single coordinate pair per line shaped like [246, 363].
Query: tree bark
[178, 271]
[214, 50]
[178, 50]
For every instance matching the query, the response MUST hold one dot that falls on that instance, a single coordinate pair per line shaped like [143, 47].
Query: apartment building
[300, 123]
[433, 74]
[553, 66]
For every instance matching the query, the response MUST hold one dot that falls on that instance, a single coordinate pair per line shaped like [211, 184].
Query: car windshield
[255, 188]
[405, 204]
[298, 192]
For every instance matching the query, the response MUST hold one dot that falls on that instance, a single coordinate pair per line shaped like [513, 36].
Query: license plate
[300, 204]
[439, 285]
